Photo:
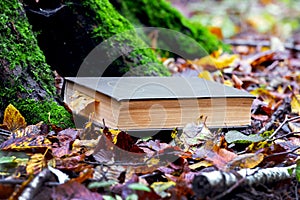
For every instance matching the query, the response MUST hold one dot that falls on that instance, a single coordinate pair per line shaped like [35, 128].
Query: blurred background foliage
[280, 18]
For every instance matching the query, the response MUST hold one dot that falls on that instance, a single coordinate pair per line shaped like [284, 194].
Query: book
[136, 103]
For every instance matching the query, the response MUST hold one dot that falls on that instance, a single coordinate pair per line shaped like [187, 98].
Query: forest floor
[44, 162]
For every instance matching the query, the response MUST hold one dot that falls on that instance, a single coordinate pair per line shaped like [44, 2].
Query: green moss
[161, 14]
[27, 79]
[47, 111]
[109, 23]
[18, 43]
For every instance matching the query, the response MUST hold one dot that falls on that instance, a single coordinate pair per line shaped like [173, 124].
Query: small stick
[286, 120]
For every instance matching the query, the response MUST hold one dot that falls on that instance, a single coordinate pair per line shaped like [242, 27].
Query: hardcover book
[135, 103]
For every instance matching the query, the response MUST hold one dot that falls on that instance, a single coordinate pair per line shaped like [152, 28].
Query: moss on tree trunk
[160, 13]
[27, 81]
[136, 58]
[72, 32]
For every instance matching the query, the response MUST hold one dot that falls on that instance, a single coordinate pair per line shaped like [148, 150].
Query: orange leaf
[13, 118]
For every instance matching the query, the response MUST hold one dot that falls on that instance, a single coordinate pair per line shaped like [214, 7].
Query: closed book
[135, 103]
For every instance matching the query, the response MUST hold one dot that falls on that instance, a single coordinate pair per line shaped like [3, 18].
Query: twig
[218, 181]
[286, 120]
[46, 12]
[5, 133]
[285, 135]
[296, 191]
[284, 153]
[34, 186]
[11, 181]
[281, 111]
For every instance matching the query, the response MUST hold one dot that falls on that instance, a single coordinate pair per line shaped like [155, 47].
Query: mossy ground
[27, 81]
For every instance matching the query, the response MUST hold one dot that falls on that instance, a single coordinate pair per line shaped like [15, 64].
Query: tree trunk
[69, 31]
[26, 80]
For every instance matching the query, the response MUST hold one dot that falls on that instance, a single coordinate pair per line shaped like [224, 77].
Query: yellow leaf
[161, 187]
[202, 163]
[13, 118]
[36, 163]
[228, 83]
[264, 94]
[205, 75]
[115, 133]
[249, 160]
[212, 63]
[295, 104]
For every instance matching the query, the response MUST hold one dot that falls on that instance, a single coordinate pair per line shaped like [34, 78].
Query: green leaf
[298, 171]
[139, 186]
[107, 197]
[238, 137]
[7, 160]
[101, 184]
[132, 197]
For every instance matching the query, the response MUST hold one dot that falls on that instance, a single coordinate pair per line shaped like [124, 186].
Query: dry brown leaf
[13, 118]
[237, 81]
[80, 102]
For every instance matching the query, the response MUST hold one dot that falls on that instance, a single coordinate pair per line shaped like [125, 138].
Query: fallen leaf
[203, 163]
[139, 186]
[193, 134]
[100, 184]
[294, 126]
[238, 137]
[73, 190]
[248, 160]
[295, 104]
[62, 177]
[36, 164]
[80, 102]
[161, 187]
[13, 118]
[211, 63]
[237, 82]
[205, 75]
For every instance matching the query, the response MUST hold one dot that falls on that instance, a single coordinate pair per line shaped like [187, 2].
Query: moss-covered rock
[160, 13]
[26, 80]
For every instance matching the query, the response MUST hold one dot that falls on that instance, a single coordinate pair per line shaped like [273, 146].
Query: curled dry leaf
[80, 102]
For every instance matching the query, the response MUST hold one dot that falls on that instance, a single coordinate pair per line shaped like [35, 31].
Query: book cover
[157, 102]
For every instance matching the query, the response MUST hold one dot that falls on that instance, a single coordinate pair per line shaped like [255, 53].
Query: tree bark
[27, 81]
